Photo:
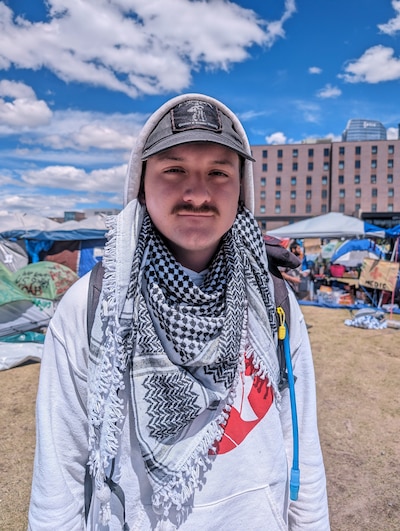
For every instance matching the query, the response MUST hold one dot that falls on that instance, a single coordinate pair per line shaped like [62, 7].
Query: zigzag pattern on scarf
[176, 389]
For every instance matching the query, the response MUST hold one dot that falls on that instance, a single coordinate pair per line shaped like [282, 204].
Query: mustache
[202, 209]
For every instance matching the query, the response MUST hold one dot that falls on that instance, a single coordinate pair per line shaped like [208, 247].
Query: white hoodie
[247, 485]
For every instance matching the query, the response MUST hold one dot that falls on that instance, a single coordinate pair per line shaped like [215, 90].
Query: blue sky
[78, 79]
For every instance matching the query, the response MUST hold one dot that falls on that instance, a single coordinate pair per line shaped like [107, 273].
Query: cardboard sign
[379, 274]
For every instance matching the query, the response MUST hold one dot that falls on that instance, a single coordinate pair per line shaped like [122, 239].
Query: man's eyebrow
[166, 156]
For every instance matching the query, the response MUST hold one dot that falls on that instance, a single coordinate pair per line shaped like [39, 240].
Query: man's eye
[173, 170]
[219, 173]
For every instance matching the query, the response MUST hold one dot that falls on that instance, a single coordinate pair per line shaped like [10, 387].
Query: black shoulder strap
[95, 284]
[279, 256]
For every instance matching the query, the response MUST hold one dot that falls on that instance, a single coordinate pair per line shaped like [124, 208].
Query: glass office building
[358, 130]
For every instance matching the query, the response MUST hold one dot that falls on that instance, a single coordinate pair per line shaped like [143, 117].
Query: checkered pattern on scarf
[184, 345]
[186, 342]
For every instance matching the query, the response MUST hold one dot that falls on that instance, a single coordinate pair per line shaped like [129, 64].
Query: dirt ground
[357, 373]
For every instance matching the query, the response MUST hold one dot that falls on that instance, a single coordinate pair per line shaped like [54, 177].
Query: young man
[175, 405]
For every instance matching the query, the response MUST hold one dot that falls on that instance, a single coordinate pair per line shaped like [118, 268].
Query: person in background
[169, 415]
[298, 278]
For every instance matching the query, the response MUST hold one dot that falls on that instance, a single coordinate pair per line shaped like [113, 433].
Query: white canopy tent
[332, 225]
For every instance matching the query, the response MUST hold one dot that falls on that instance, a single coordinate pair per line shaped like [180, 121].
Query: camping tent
[351, 253]
[76, 244]
[12, 255]
[332, 225]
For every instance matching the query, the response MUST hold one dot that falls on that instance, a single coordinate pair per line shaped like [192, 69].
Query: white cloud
[20, 109]
[329, 92]
[70, 178]
[80, 130]
[393, 26]
[135, 46]
[377, 64]
[392, 133]
[315, 70]
[310, 112]
[53, 205]
[276, 138]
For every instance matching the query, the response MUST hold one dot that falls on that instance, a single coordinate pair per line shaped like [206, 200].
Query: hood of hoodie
[132, 182]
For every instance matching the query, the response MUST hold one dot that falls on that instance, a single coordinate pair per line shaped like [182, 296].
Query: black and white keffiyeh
[184, 346]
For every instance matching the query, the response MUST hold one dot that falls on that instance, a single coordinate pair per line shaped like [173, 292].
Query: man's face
[191, 193]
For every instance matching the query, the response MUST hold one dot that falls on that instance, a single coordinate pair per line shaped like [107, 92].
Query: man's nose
[196, 190]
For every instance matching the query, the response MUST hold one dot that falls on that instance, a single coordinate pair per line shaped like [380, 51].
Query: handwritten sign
[379, 274]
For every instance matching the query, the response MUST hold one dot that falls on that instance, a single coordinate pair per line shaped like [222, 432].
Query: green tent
[44, 280]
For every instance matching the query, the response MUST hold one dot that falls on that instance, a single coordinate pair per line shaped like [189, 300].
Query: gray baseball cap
[194, 121]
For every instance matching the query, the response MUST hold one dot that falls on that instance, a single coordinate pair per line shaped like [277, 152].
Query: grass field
[357, 373]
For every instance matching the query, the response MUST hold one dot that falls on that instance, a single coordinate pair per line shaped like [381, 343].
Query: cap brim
[188, 137]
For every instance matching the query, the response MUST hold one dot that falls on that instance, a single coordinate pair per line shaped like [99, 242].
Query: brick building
[297, 181]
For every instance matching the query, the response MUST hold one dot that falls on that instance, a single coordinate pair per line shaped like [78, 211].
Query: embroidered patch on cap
[194, 114]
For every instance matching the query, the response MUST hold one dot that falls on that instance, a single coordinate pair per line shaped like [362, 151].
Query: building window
[277, 209]
[391, 192]
[280, 153]
[263, 181]
[374, 150]
[358, 150]
[294, 166]
[373, 178]
[326, 152]
[390, 178]
[341, 207]
[263, 194]
[324, 194]
[293, 181]
[342, 192]
[356, 179]
[390, 207]
[265, 153]
[279, 166]
[295, 152]
[357, 164]
[324, 209]
[310, 166]
[309, 180]
[278, 194]
[358, 192]
[374, 192]
[293, 194]
[263, 226]
[341, 179]
[326, 166]
[308, 208]
[341, 150]
[308, 194]
[310, 152]
[265, 167]
[373, 207]
[357, 206]
[292, 209]
[373, 163]
[341, 164]
[278, 181]
[390, 163]
[324, 180]
[391, 149]
[262, 209]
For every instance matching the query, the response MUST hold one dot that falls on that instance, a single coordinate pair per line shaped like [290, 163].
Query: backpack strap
[95, 285]
[279, 256]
